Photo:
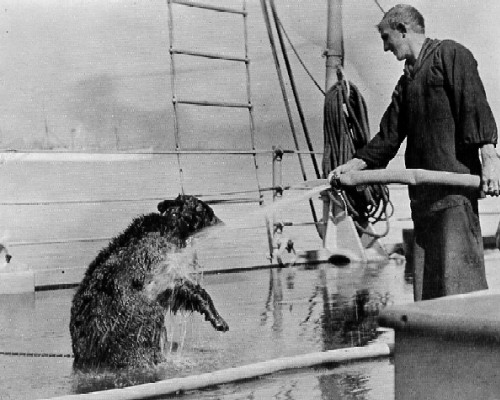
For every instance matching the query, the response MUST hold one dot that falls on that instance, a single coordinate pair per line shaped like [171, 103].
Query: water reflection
[274, 302]
[342, 320]
[342, 315]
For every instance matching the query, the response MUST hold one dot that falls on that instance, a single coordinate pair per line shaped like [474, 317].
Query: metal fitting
[278, 153]
[278, 227]
[278, 190]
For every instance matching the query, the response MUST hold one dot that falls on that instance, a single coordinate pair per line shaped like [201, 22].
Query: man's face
[393, 41]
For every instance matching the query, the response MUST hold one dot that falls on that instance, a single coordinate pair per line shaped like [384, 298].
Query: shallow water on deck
[271, 313]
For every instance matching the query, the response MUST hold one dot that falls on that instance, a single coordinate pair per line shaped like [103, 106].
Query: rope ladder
[176, 101]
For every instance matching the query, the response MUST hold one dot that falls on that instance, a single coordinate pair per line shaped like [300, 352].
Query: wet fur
[118, 311]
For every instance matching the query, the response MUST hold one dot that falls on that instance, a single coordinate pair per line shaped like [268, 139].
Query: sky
[95, 75]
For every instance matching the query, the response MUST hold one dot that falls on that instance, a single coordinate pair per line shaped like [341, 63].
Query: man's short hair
[403, 14]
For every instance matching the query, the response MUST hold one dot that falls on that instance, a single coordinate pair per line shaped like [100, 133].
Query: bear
[118, 311]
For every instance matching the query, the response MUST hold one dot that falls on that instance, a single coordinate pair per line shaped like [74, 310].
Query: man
[439, 105]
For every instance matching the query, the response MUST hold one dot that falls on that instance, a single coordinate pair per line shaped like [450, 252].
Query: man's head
[401, 29]
[403, 15]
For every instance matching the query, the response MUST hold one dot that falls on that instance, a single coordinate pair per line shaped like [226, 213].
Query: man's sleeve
[385, 144]
[473, 117]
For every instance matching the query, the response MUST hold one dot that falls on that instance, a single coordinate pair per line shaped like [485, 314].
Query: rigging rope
[379, 6]
[346, 130]
[267, 21]
[294, 88]
[300, 59]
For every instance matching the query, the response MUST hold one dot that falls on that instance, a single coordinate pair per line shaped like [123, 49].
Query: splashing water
[230, 232]
[177, 326]
[264, 212]
[178, 265]
[267, 211]
[183, 264]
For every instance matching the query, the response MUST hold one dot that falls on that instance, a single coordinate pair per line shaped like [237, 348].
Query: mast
[334, 42]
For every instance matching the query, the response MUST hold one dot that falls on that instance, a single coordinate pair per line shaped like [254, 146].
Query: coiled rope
[346, 130]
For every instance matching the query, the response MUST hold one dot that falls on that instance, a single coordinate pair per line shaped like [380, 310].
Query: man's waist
[430, 199]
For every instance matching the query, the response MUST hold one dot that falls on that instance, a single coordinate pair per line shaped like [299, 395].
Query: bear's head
[188, 214]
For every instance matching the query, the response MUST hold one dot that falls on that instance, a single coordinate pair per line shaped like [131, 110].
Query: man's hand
[490, 178]
[355, 164]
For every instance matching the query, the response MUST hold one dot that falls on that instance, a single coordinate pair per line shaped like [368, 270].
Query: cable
[300, 59]
[267, 21]
[379, 6]
[294, 88]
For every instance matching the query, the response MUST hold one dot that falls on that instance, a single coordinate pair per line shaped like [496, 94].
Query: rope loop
[346, 130]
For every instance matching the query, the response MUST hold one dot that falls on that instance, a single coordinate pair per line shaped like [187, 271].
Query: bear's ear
[166, 204]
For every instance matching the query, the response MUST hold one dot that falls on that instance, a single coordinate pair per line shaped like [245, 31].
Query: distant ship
[48, 151]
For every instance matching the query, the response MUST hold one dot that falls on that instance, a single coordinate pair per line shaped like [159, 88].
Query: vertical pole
[277, 175]
[277, 172]
[334, 42]
[334, 54]
[249, 99]
[174, 99]
[270, 223]
[340, 228]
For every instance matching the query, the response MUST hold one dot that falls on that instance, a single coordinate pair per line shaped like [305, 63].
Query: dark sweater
[439, 105]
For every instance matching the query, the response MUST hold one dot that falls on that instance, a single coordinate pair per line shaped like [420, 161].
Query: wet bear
[118, 312]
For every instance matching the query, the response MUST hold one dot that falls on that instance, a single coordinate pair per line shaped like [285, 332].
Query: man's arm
[384, 146]
[491, 170]
[474, 120]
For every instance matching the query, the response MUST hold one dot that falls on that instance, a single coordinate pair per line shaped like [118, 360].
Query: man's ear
[401, 28]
